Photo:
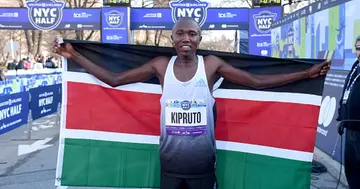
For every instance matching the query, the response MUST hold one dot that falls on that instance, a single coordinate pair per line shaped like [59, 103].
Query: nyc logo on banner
[260, 23]
[263, 21]
[189, 9]
[45, 14]
[114, 18]
[44, 101]
[115, 25]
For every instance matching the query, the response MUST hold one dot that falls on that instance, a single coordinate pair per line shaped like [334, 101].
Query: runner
[187, 142]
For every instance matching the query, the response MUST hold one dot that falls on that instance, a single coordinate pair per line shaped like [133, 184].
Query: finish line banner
[117, 135]
[208, 19]
[67, 19]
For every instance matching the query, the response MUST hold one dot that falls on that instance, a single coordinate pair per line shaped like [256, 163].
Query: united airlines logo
[45, 14]
[189, 9]
[114, 18]
[263, 21]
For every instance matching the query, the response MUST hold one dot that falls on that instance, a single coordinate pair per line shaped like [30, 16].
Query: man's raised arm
[113, 79]
[242, 77]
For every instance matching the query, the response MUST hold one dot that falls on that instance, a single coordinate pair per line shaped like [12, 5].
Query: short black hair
[357, 39]
[188, 19]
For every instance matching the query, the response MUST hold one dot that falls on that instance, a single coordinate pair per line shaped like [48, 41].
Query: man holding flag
[187, 142]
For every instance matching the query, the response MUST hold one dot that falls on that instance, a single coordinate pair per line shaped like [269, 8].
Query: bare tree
[81, 34]
[4, 54]
[33, 37]
[222, 44]
[158, 34]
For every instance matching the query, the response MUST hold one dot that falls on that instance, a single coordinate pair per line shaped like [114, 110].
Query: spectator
[20, 65]
[50, 63]
[12, 65]
[349, 118]
[2, 76]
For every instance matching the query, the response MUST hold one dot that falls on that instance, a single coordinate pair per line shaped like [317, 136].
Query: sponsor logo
[226, 15]
[200, 83]
[114, 18]
[327, 111]
[153, 15]
[263, 21]
[45, 14]
[82, 15]
[189, 9]
[264, 52]
[10, 15]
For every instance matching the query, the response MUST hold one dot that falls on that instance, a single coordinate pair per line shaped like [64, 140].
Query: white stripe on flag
[221, 145]
[254, 95]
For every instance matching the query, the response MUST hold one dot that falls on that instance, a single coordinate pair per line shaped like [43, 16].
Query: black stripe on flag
[121, 57]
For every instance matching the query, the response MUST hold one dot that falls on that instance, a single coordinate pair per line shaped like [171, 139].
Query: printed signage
[45, 14]
[189, 9]
[14, 111]
[44, 101]
[327, 138]
[208, 18]
[260, 23]
[115, 25]
[72, 19]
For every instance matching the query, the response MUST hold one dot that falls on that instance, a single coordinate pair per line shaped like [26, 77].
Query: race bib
[186, 117]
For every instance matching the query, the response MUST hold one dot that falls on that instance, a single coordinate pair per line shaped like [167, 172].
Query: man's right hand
[66, 50]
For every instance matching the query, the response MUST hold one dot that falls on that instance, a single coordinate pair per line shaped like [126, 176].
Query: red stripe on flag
[283, 125]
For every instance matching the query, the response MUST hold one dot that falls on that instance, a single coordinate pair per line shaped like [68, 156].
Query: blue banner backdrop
[115, 25]
[260, 20]
[72, 19]
[215, 19]
[14, 110]
[44, 101]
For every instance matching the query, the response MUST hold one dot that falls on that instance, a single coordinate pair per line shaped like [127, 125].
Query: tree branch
[93, 3]
[90, 35]
[21, 3]
[247, 1]
[40, 35]
[85, 3]
[69, 3]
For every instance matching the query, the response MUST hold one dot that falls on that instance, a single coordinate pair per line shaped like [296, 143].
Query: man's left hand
[319, 69]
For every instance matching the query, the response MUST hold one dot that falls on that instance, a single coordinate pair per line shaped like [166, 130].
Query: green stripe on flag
[252, 171]
[119, 164]
[110, 164]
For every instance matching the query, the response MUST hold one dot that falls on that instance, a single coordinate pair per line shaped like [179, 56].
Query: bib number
[186, 117]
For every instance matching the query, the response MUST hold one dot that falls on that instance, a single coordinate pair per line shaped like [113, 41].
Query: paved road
[36, 170]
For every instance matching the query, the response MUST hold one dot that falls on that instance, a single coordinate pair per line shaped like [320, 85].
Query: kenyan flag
[109, 136]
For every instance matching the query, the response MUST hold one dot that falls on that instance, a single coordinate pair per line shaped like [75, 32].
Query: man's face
[357, 47]
[186, 37]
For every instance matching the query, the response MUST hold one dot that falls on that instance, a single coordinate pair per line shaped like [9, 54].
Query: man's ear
[200, 39]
